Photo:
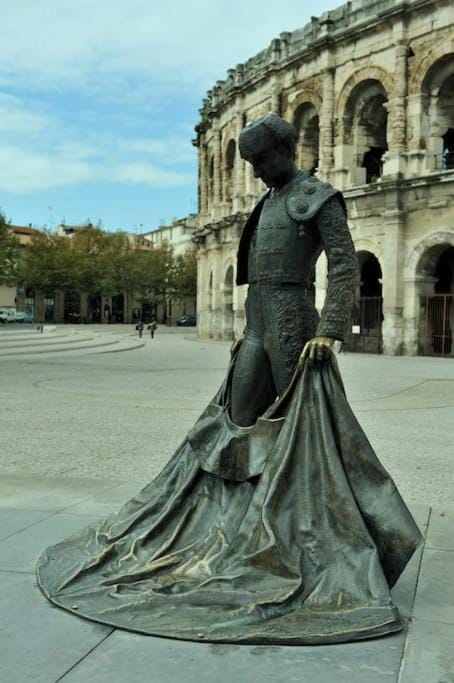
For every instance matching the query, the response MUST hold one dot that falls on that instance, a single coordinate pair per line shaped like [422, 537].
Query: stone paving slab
[48, 493]
[127, 657]
[429, 653]
[39, 642]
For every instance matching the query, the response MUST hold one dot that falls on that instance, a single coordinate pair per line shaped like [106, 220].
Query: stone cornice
[290, 49]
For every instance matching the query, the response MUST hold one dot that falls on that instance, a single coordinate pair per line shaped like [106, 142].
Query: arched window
[364, 126]
[306, 122]
[229, 171]
[438, 111]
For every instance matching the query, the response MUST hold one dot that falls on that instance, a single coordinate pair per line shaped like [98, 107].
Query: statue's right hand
[236, 345]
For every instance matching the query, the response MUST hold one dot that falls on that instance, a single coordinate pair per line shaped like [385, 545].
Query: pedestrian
[139, 328]
[152, 327]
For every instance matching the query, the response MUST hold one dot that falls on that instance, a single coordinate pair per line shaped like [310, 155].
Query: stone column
[394, 159]
[216, 314]
[240, 189]
[217, 180]
[276, 100]
[203, 178]
[326, 160]
[393, 274]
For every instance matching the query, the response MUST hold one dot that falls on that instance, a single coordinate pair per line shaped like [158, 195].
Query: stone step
[39, 341]
[90, 345]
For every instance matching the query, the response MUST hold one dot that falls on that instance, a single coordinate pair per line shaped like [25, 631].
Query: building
[16, 297]
[370, 89]
[179, 235]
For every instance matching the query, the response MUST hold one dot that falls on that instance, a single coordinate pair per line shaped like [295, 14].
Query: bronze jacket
[311, 218]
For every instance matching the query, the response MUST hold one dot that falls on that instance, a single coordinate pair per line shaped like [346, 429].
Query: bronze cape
[289, 531]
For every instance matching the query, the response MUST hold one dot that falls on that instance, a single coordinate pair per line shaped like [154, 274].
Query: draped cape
[289, 531]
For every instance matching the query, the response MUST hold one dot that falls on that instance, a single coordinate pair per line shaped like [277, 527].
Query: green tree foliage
[9, 253]
[96, 262]
[48, 264]
[185, 274]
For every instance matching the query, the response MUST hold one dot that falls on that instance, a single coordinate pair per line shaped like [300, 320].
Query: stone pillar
[239, 189]
[414, 323]
[395, 160]
[203, 179]
[276, 100]
[393, 285]
[217, 180]
[216, 313]
[326, 161]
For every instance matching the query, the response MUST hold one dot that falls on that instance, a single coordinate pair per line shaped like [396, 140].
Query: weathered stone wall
[369, 87]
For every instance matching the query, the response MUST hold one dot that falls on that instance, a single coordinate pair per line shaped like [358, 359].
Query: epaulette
[307, 197]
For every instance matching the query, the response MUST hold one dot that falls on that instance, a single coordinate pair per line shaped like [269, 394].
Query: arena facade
[370, 89]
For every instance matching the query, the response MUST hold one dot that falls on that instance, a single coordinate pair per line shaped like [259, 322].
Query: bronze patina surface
[274, 522]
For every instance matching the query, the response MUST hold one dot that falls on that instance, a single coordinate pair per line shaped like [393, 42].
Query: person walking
[152, 327]
[139, 328]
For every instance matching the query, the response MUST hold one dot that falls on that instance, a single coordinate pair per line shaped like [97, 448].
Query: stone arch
[362, 126]
[371, 274]
[425, 65]
[367, 313]
[365, 244]
[306, 121]
[229, 156]
[437, 112]
[431, 265]
[427, 252]
[366, 73]
[304, 96]
[227, 299]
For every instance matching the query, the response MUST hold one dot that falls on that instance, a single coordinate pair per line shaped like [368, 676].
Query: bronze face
[271, 160]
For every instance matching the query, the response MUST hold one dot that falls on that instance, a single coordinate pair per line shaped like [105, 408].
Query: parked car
[24, 317]
[186, 321]
[7, 315]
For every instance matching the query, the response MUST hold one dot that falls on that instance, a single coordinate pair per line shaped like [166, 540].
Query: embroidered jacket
[285, 234]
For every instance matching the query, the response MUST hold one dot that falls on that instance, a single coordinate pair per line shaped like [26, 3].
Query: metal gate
[437, 328]
[367, 318]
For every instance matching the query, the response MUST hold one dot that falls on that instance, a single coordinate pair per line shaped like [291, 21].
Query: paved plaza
[83, 430]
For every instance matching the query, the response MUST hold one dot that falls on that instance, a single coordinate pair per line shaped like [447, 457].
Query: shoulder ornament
[307, 197]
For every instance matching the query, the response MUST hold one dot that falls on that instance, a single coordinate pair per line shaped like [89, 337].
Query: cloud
[23, 170]
[15, 118]
[108, 46]
[42, 153]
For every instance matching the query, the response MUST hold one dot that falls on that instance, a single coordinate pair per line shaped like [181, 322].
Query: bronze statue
[279, 247]
[274, 521]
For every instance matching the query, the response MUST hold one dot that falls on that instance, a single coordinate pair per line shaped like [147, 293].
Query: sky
[98, 101]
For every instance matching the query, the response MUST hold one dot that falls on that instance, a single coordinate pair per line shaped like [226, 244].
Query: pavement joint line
[357, 406]
[28, 526]
[17, 571]
[87, 654]
[84, 500]
[415, 590]
[401, 391]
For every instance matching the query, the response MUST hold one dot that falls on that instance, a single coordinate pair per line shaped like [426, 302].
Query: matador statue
[297, 218]
[274, 521]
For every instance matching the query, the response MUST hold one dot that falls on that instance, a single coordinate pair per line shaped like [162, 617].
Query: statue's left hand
[316, 350]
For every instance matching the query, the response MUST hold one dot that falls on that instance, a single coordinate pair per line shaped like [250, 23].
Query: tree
[48, 264]
[9, 253]
[184, 279]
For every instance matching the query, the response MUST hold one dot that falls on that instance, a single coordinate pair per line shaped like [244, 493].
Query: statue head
[269, 144]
